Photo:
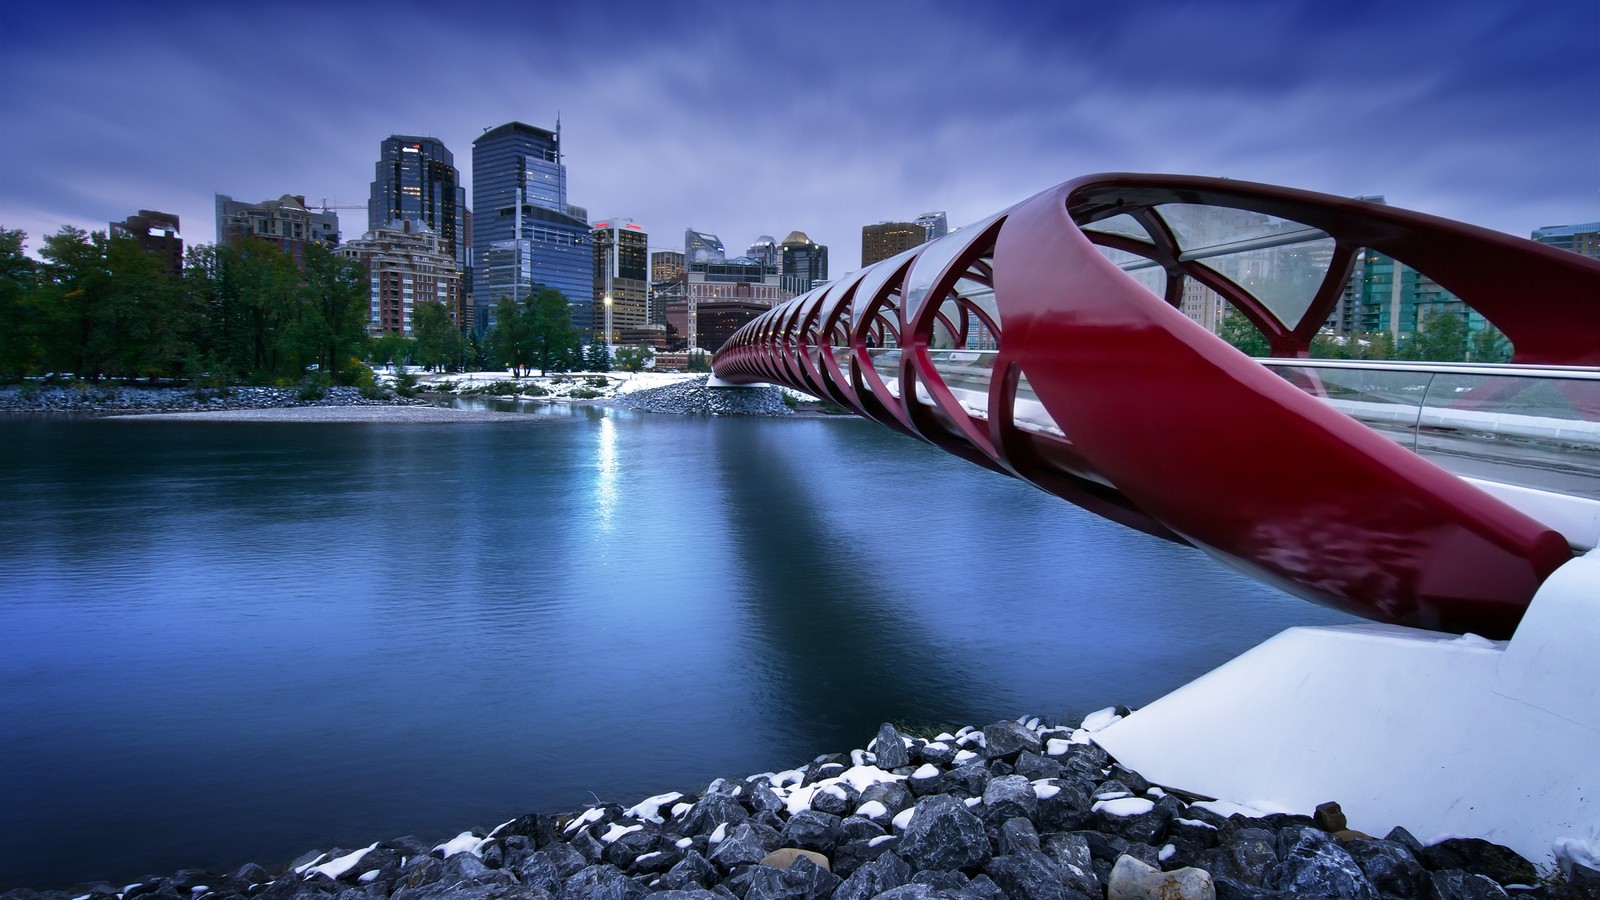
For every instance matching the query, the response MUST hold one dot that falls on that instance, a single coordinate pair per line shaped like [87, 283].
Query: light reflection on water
[231, 641]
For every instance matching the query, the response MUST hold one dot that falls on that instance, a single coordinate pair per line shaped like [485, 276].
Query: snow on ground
[558, 385]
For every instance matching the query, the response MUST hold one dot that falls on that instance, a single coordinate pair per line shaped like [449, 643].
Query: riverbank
[1015, 809]
[669, 393]
[104, 399]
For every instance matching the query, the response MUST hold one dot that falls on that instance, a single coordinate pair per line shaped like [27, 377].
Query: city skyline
[689, 116]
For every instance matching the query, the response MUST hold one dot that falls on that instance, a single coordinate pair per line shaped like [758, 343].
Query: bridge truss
[1049, 342]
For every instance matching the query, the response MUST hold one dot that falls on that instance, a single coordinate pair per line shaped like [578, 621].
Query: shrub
[314, 386]
[597, 381]
[405, 383]
[533, 390]
[502, 387]
[584, 393]
[362, 378]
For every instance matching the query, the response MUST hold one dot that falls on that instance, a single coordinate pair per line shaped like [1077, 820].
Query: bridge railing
[1533, 429]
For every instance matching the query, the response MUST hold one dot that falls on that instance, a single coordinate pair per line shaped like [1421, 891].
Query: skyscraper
[934, 224]
[621, 281]
[416, 180]
[700, 247]
[767, 250]
[885, 239]
[525, 236]
[805, 263]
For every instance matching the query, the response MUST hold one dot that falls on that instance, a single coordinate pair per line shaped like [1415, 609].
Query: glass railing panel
[966, 374]
[1029, 414]
[1533, 432]
[886, 362]
[1386, 400]
[1199, 228]
[1285, 279]
[1122, 224]
[934, 259]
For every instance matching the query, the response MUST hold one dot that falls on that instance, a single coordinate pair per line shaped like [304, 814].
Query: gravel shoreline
[1015, 809]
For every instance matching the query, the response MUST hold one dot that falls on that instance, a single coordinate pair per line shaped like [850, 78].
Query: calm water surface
[224, 642]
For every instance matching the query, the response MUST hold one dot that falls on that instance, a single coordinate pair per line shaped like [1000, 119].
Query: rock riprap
[1020, 809]
[693, 397]
[90, 398]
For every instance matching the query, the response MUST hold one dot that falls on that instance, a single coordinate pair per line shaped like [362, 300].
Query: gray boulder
[944, 834]
[1312, 864]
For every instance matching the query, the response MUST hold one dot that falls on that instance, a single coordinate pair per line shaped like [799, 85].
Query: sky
[745, 119]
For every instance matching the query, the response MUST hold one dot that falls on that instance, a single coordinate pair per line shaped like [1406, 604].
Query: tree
[1488, 346]
[154, 323]
[596, 358]
[334, 310]
[392, 348]
[634, 359]
[1441, 336]
[554, 340]
[20, 350]
[438, 339]
[699, 360]
[1243, 334]
[510, 341]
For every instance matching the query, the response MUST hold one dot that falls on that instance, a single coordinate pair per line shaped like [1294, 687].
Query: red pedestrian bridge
[1060, 341]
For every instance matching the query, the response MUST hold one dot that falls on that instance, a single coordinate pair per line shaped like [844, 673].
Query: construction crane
[327, 204]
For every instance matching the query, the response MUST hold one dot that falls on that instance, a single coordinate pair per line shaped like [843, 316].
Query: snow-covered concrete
[1447, 735]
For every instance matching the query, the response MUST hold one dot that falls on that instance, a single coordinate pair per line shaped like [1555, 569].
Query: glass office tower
[416, 180]
[525, 237]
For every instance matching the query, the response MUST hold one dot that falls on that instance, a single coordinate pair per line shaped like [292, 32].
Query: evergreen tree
[20, 350]
[633, 359]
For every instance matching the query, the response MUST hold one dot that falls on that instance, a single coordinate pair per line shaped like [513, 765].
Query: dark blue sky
[744, 119]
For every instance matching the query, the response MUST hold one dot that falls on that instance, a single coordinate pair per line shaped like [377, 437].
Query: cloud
[748, 120]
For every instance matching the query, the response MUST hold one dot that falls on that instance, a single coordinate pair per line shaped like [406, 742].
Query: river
[224, 642]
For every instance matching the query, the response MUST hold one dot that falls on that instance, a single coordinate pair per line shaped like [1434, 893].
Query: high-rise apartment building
[1583, 239]
[885, 239]
[416, 180]
[286, 222]
[934, 225]
[525, 234]
[157, 233]
[621, 281]
[407, 263]
[805, 264]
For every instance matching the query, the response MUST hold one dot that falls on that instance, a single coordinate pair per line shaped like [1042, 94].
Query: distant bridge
[1047, 342]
